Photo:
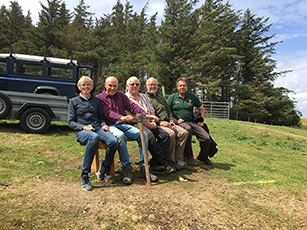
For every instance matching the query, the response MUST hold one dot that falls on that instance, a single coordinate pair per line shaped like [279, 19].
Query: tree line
[225, 54]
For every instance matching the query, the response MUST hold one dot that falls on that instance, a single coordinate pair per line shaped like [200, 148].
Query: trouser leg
[188, 151]
[170, 156]
[204, 141]
[92, 141]
[158, 156]
[163, 139]
[122, 146]
[181, 139]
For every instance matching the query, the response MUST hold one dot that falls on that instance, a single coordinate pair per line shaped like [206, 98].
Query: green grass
[254, 162]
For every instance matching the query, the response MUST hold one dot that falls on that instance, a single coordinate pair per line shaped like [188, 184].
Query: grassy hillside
[258, 181]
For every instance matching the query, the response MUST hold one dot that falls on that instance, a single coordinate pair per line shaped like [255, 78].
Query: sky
[288, 17]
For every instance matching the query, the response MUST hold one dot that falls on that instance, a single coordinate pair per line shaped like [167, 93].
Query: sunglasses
[135, 84]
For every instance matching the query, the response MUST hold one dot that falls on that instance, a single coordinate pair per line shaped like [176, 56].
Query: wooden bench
[96, 163]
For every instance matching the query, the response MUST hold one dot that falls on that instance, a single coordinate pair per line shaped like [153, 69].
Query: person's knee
[95, 137]
[185, 133]
[187, 128]
[114, 142]
[121, 137]
[172, 134]
[149, 136]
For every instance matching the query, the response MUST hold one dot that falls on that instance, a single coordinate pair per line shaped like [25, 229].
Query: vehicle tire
[5, 105]
[35, 120]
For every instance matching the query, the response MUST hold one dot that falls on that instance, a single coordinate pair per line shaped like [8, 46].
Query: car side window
[2, 66]
[28, 68]
[60, 72]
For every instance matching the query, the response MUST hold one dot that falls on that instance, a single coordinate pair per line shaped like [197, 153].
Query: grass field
[258, 181]
[304, 122]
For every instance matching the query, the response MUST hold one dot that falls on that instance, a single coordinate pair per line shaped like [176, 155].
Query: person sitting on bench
[86, 118]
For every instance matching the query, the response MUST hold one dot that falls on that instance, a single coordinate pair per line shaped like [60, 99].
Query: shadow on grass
[14, 127]
[222, 166]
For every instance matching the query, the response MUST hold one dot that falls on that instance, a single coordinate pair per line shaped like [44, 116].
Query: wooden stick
[140, 124]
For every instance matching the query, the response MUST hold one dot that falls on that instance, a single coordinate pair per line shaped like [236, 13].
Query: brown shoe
[205, 160]
[127, 175]
[168, 170]
[157, 168]
[174, 165]
[192, 161]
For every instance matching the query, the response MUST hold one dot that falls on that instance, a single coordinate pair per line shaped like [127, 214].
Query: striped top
[144, 102]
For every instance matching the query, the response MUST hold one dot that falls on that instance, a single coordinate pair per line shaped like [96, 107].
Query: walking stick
[140, 118]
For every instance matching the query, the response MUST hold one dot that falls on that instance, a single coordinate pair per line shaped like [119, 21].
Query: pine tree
[174, 42]
[73, 38]
[215, 59]
[13, 25]
[53, 19]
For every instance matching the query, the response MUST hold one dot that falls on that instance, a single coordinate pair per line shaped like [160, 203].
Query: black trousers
[158, 144]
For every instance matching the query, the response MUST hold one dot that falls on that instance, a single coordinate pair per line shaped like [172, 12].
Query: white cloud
[289, 20]
[295, 80]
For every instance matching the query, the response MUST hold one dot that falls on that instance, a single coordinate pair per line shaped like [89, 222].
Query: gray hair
[132, 78]
[182, 79]
[151, 78]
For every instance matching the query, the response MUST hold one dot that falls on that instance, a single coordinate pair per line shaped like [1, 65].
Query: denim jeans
[123, 131]
[91, 139]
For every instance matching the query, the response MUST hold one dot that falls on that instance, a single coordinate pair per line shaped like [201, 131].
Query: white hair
[132, 78]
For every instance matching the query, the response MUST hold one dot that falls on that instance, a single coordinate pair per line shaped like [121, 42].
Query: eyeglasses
[135, 84]
[152, 84]
[86, 84]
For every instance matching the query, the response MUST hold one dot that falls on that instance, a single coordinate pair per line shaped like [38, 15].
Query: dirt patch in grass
[193, 204]
[280, 132]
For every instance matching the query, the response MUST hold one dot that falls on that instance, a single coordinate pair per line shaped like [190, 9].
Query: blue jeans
[91, 139]
[123, 131]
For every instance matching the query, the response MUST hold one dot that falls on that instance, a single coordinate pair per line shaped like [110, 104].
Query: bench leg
[183, 157]
[95, 164]
[182, 161]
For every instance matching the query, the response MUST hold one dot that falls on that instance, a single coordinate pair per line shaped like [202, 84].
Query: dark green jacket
[162, 110]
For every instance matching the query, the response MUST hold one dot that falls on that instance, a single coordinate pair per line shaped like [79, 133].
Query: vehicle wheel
[5, 105]
[35, 120]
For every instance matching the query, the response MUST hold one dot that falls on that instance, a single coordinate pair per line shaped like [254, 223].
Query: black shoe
[127, 175]
[102, 171]
[157, 168]
[86, 184]
[176, 166]
[142, 174]
[192, 161]
[205, 160]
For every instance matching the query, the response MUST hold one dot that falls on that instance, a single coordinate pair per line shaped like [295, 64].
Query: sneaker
[142, 174]
[127, 175]
[102, 171]
[86, 184]
[192, 162]
[168, 170]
